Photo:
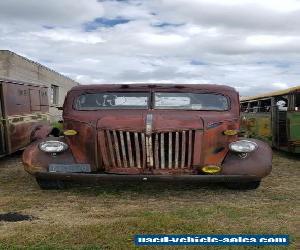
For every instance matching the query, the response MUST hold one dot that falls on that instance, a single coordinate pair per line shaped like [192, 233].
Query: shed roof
[270, 94]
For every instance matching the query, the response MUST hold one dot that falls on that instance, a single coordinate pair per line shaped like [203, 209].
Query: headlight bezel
[61, 146]
[233, 146]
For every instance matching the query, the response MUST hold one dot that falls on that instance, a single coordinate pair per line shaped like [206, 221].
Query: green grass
[58, 125]
[108, 216]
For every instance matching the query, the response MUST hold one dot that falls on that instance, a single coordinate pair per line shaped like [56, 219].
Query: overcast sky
[253, 46]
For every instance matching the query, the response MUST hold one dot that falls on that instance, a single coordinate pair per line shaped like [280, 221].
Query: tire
[243, 185]
[50, 184]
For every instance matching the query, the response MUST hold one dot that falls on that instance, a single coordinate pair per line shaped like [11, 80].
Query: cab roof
[143, 86]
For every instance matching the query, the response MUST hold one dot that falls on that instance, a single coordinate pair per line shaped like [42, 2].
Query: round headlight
[243, 146]
[53, 146]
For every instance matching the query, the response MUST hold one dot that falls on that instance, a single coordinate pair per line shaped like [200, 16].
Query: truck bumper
[255, 166]
[92, 178]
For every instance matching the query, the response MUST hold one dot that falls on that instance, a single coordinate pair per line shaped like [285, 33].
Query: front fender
[258, 162]
[40, 132]
[35, 160]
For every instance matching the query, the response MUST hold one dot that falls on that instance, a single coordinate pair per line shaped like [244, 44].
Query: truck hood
[158, 122]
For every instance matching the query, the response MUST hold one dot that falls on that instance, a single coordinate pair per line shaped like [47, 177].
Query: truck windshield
[161, 100]
[115, 100]
[190, 101]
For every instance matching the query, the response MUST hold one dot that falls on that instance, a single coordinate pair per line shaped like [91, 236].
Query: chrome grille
[164, 150]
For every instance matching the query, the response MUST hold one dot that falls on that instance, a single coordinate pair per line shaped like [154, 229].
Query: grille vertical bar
[176, 149]
[162, 150]
[117, 148]
[149, 148]
[144, 150]
[137, 150]
[123, 149]
[183, 146]
[170, 150]
[111, 150]
[129, 149]
[190, 148]
[156, 151]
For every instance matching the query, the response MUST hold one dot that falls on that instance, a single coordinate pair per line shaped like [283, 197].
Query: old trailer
[24, 114]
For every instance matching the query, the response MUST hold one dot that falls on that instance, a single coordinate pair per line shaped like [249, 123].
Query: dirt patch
[13, 217]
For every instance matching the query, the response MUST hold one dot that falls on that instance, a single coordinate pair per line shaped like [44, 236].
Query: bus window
[265, 105]
[297, 102]
[282, 103]
[244, 107]
[253, 107]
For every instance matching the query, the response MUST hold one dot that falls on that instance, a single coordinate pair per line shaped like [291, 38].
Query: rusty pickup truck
[150, 132]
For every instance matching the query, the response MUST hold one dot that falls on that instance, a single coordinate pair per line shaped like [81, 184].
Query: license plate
[70, 168]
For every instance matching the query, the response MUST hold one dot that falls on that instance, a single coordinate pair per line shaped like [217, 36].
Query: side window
[297, 102]
[282, 103]
[54, 94]
[244, 107]
[265, 105]
[253, 107]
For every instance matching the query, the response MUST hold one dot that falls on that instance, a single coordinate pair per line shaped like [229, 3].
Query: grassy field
[108, 216]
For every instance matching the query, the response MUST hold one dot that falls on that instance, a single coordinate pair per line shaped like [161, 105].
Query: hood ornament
[149, 124]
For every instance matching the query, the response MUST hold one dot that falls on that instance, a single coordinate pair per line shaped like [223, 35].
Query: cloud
[50, 12]
[250, 15]
[66, 36]
[162, 39]
[253, 46]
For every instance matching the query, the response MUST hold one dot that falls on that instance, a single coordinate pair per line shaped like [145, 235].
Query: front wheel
[243, 185]
[50, 184]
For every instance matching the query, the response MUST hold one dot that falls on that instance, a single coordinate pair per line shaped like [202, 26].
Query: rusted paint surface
[34, 160]
[24, 115]
[251, 164]
[177, 142]
[40, 131]
[257, 125]
[84, 142]
[216, 143]
[22, 99]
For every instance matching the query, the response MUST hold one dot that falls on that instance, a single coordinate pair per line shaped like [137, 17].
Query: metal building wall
[16, 67]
